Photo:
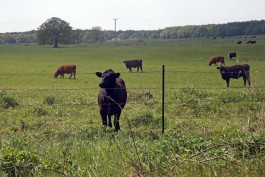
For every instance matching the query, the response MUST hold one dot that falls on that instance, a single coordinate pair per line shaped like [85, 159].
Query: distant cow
[232, 56]
[112, 97]
[251, 42]
[239, 42]
[68, 69]
[133, 64]
[235, 72]
[216, 59]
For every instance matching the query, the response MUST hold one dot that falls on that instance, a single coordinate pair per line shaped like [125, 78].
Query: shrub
[18, 162]
[6, 101]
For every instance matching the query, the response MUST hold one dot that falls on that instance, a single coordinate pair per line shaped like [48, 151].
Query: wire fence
[145, 72]
[131, 90]
[168, 72]
[161, 87]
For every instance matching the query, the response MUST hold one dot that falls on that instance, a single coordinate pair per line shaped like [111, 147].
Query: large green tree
[54, 30]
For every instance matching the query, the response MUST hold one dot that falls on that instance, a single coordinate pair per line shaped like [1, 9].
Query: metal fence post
[163, 98]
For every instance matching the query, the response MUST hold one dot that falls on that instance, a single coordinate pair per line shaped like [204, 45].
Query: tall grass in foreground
[203, 137]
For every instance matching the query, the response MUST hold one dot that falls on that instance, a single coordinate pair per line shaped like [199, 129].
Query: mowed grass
[210, 130]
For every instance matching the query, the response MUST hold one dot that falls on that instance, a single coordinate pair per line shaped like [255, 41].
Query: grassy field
[52, 127]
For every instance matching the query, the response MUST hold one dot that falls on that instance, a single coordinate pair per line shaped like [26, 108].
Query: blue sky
[25, 15]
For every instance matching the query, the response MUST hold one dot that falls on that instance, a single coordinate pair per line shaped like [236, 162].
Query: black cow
[232, 55]
[235, 72]
[251, 42]
[239, 42]
[133, 64]
[112, 97]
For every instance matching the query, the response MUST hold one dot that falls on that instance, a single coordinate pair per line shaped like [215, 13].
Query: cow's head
[108, 78]
[222, 69]
[56, 74]
[125, 62]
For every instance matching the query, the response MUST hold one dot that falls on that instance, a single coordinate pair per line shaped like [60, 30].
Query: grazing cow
[239, 42]
[133, 64]
[68, 69]
[251, 42]
[232, 56]
[112, 97]
[216, 59]
[235, 72]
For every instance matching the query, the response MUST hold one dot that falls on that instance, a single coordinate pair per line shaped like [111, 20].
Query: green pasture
[52, 127]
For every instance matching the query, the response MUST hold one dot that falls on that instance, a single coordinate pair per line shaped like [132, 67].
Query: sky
[26, 15]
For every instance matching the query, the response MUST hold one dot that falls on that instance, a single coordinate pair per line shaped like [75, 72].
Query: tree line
[96, 34]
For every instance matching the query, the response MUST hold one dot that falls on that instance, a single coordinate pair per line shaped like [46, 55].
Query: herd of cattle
[248, 42]
[234, 72]
[112, 96]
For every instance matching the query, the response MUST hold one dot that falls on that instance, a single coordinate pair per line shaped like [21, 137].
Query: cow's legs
[141, 68]
[70, 76]
[248, 79]
[130, 69]
[104, 118]
[137, 69]
[109, 123]
[116, 122]
[245, 81]
[227, 82]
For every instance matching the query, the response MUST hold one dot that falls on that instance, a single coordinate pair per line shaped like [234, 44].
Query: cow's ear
[118, 75]
[99, 74]
[218, 68]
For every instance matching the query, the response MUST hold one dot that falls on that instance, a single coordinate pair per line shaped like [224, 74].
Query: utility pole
[115, 19]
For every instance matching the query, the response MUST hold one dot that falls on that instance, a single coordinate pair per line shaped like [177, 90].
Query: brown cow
[235, 72]
[112, 97]
[68, 69]
[216, 59]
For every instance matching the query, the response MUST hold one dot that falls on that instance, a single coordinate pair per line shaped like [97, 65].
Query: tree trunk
[55, 45]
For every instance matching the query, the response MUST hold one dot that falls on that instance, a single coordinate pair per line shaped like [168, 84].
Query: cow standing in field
[251, 42]
[235, 72]
[216, 59]
[239, 42]
[133, 64]
[232, 56]
[68, 69]
[112, 97]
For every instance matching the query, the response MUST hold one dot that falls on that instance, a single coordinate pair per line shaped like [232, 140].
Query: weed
[49, 100]
[145, 119]
[6, 101]
[39, 111]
